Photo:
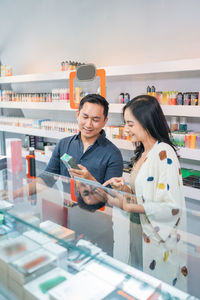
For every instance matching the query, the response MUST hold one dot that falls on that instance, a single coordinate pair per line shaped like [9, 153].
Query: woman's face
[133, 128]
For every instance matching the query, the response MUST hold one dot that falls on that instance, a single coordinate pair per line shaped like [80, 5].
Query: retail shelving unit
[181, 69]
[169, 110]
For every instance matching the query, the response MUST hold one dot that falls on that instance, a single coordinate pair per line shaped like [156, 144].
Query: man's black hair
[90, 207]
[96, 99]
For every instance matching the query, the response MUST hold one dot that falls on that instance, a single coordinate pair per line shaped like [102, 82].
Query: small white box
[14, 248]
[81, 286]
[78, 258]
[32, 290]
[140, 290]
[16, 288]
[58, 231]
[31, 266]
[105, 273]
[38, 237]
[59, 251]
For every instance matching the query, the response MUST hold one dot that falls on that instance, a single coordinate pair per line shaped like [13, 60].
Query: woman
[157, 183]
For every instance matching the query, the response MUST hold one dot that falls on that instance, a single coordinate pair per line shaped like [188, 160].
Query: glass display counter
[63, 238]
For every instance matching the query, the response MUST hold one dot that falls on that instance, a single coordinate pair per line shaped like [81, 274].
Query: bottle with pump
[30, 164]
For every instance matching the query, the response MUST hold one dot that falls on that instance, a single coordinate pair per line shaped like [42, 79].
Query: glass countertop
[87, 218]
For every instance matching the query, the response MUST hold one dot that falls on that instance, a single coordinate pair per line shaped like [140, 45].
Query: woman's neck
[148, 144]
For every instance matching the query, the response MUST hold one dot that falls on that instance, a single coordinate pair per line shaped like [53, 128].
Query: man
[97, 158]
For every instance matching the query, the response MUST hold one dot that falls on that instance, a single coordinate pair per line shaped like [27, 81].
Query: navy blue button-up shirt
[102, 159]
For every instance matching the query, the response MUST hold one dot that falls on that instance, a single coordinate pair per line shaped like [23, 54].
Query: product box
[59, 251]
[40, 287]
[16, 288]
[5, 205]
[28, 218]
[142, 276]
[12, 249]
[31, 266]
[58, 231]
[81, 286]
[14, 155]
[106, 273]
[78, 258]
[38, 237]
[141, 290]
[14, 181]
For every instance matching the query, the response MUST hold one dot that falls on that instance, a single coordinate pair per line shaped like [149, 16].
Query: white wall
[36, 35]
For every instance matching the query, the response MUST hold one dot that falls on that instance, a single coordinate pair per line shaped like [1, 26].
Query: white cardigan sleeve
[162, 192]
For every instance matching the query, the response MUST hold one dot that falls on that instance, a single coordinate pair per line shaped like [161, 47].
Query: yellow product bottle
[153, 91]
[148, 90]
[192, 141]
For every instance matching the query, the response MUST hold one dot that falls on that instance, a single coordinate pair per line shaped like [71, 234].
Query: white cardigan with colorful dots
[159, 189]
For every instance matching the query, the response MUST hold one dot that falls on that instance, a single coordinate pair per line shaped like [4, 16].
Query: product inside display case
[70, 238]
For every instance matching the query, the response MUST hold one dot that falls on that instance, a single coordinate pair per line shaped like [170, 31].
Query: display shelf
[191, 192]
[188, 153]
[38, 156]
[55, 105]
[122, 144]
[36, 132]
[189, 67]
[168, 110]
[181, 110]
[62, 75]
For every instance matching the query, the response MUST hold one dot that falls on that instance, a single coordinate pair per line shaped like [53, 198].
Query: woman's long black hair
[146, 109]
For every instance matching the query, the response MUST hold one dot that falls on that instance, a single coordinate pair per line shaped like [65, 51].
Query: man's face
[89, 195]
[91, 120]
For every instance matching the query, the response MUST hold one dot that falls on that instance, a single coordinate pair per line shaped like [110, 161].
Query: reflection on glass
[149, 248]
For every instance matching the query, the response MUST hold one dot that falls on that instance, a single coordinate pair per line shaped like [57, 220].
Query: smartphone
[69, 161]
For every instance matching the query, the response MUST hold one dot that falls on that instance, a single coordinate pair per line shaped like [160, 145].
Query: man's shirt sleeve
[115, 166]
[54, 163]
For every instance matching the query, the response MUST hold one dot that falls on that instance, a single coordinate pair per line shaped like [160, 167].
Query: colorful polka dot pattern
[169, 161]
[161, 186]
[184, 271]
[163, 155]
[150, 178]
[146, 238]
[175, 211]
[174, 281]
[152, 264]
[166, 254]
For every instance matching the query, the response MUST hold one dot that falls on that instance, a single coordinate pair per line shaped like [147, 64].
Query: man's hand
[83, 173]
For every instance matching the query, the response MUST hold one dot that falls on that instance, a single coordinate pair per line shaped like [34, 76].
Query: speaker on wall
[86, 72]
